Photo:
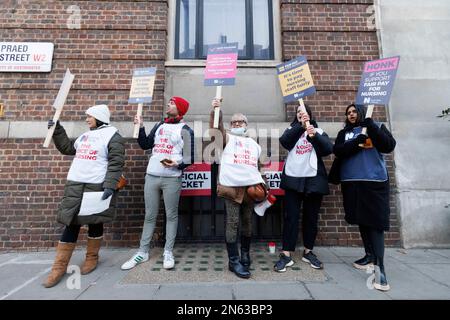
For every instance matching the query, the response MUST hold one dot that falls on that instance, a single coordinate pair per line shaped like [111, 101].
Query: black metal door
[202, 218]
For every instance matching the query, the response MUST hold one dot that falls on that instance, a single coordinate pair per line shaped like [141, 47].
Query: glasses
[352, 111]
[238, 122]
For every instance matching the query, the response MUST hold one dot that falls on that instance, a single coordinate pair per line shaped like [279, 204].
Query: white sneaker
[169, 261]
[135, 260]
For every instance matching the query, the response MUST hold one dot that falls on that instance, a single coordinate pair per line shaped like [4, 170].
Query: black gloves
[368, 123]
[107, 193]
[361, 138]
[51, 123]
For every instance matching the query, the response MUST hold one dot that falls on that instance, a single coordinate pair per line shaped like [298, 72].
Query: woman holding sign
[365, 184]
[240, 184]
[95, 173]
[304, 180]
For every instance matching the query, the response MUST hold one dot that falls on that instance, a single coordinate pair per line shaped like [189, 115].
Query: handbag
[257, 192]
[334, 176]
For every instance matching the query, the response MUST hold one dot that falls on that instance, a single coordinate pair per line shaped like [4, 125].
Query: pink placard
[221, 66]
[382, 65]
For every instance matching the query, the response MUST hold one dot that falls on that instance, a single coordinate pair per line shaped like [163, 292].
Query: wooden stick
[368, 115]
[59, 104]
[217, 110]
[302, 107]
[137, 125]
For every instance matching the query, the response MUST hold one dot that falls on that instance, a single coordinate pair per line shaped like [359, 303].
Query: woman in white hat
[97, 167]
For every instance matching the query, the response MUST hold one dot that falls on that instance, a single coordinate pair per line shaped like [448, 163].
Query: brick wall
[118, 36]
[115, 38]
[336, 38]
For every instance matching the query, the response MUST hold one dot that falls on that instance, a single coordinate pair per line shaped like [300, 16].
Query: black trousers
[373, 240]
[71, 232]
[310, 214]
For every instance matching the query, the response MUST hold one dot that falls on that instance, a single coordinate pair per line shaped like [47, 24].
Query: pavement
[201, 274]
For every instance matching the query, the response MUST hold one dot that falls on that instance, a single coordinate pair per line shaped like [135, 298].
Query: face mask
[238, 131]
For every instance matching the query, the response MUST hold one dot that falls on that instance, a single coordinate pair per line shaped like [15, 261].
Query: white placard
[92, 203]
[26, 56]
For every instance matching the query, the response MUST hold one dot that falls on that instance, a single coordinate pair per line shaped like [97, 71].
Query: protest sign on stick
[141, 91]
[296, 81]
[377, 82]
[59, 104]
[221, 65]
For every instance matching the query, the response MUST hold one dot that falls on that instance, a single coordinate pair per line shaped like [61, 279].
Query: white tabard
[168, 145]
[91, 160]
[302, 159]
[239, 162]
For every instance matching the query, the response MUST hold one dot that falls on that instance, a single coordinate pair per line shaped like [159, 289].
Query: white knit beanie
[99, 112]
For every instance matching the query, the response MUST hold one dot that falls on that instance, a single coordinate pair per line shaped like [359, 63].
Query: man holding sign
[363, 173]
[167, 140]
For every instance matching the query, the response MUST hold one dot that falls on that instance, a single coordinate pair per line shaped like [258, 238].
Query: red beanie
[182, 105]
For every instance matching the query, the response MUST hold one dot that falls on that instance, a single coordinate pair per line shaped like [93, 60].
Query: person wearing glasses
[240, 184]
[305, 182]
[365, 185]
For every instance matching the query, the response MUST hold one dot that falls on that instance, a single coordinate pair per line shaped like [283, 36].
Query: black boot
[234, 264]
[245, 258]
[245, 252]
[365, 262]
[380, 282]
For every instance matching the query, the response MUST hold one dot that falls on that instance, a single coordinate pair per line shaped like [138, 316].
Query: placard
[142, 84]
[295, 79]
[221, 64]
[377, 81]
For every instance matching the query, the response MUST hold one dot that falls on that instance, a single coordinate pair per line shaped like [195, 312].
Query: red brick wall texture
[118, 36]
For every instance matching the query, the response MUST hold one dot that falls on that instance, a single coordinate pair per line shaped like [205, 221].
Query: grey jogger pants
[171, 188]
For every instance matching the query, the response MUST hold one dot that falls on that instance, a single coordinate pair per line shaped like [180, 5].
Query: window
[200, 23]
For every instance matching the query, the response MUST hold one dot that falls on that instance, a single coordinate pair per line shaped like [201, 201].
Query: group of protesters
[359, 168]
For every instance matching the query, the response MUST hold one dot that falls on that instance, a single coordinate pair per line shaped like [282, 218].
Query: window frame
[249, 55]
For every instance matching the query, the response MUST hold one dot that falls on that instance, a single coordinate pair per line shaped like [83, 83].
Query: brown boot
[93, 246]
[63, 254]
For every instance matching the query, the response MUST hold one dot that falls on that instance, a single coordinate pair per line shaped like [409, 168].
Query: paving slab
[438, 272]
[5, 257]
[108, 287]
[417, 256]
[344, 284]
[15, 276]
[204, 264]
[325, 255]
[408, 283]
[441, 252]
[347, 251]
[271, 291]
[198, 292]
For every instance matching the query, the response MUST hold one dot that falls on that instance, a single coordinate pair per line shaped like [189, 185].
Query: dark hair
[99, 123]
[360, 111]
[308, 110]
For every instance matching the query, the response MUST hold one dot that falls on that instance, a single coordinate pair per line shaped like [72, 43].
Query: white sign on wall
[26, 56]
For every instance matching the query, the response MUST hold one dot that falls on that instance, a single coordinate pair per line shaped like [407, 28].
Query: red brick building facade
[119, 36]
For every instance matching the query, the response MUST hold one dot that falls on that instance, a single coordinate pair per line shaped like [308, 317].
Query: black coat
[323, 147]
[365, 202]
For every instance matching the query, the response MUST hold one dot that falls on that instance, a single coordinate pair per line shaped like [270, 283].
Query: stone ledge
[38, 129]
